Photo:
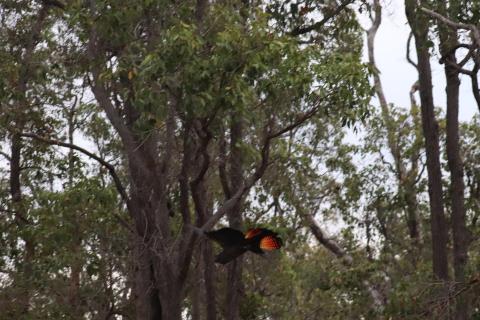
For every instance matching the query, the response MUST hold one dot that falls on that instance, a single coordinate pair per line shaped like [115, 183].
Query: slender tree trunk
[405, 186]
[147, 303]
[25, 73]
[448, 41]
[419, 25]
[76, 267]
[197, 292]
[234, 274]
[209, 277]
[204, 211]
[16, 196]
[410, 180]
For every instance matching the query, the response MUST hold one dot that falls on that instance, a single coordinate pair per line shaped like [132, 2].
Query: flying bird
[235, 243]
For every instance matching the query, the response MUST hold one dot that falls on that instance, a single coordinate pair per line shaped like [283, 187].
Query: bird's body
[235, 243]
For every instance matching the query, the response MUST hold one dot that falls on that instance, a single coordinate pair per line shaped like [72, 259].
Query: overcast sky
[398, 75]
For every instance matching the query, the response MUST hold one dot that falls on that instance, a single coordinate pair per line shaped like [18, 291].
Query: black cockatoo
[235, 243]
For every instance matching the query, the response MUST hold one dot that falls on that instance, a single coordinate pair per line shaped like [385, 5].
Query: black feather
[226, 237]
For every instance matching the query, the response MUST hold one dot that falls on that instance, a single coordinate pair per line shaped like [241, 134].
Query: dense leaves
[125, 125]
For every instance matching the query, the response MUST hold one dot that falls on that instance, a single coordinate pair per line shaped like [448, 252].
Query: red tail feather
[270, 243]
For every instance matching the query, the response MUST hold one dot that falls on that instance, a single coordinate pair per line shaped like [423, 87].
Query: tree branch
[260, 169]
[410, 36]
[329, 244]
[5, 155]
[102, 96]
[110, 168]
[475, 35]
[298, 31]
[475, 32]
[347, 259]
[371, 33]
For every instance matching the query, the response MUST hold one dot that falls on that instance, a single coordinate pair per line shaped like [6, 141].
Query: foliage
[69, 244]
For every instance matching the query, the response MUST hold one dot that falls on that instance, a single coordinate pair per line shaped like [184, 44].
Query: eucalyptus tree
[449, 19]
[420, 27]
[174, 80]
[25, 87]
[200, 98]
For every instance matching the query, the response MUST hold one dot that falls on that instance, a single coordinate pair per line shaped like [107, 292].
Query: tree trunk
[406, 183]
[209, 278]
[76, 244]
[448, 41]
[147, 303]
[419, 25]
[16, 194]
[26, 70]
[235, 219]
[410, 194]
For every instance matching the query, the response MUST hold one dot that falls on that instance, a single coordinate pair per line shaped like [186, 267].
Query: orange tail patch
[270, 243]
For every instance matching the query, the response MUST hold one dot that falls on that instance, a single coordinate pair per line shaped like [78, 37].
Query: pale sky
[398, 75]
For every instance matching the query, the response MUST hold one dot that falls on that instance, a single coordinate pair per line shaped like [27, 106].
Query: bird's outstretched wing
[226, 237]
[261, 240]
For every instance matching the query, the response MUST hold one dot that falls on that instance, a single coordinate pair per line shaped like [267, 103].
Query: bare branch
[475, 32]
[413, 89]
[409, 41]
[371, 33]
[228, 205]
[475, 89]
[346, 258]
[475, 35]
[455, 48]
[328, 243]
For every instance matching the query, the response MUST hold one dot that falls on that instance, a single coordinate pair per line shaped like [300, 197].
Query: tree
[171, 91]
[419, 24]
